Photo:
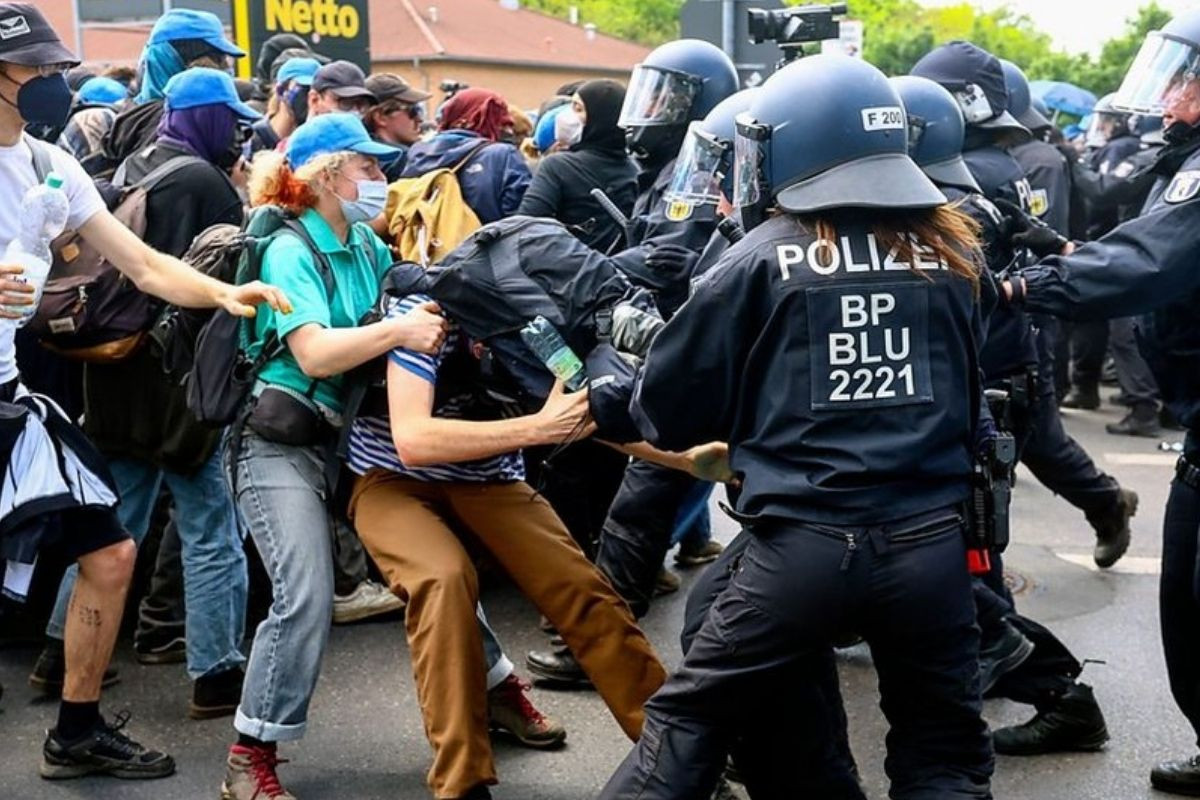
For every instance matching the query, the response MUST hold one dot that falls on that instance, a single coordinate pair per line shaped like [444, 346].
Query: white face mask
[568, 128]
[372, 198]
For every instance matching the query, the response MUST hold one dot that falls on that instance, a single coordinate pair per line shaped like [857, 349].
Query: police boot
[1112, 529]
[1073, 723]
[1142, 420]
[556, 666]
[1177, 777]
[1082, 397]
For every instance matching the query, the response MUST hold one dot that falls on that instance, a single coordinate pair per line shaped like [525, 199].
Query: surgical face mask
[372, 198]
[43, 99]
[568, 128]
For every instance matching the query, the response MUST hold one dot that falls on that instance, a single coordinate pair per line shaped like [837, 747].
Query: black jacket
[562, 187]
[848, 394]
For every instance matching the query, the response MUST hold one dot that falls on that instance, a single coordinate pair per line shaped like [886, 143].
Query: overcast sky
[1076, 25]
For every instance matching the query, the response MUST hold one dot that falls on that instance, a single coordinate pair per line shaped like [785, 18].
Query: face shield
[751, 184]
[657, 97]
[1104, 127]
[1163, 67]
[700, 169]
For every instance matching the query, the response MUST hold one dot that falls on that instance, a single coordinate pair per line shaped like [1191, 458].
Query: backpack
[226, 360]
[427, 215]
[90, 311]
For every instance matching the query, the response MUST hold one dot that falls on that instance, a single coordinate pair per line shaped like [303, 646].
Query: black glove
[1029, 232]
[672, 259]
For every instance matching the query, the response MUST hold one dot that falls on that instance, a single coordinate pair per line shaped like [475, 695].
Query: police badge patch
[1184, 186]
[679, 210]
[1039, 202]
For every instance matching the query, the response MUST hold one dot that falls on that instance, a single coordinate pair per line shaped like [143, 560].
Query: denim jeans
[281, 493]
[214, 566]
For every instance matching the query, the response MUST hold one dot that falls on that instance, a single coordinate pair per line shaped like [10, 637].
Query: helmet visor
[657, 97]
[700, 168]
[750, 164]
[1163, 68]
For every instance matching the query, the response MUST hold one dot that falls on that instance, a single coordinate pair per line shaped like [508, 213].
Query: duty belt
[1187, 473]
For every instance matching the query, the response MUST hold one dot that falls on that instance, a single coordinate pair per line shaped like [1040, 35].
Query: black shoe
[104, 751]
[170, 651]
[1141, 421]
[1177, 777]
[1073, 724]
[1001, 655]
[51, 666]
[1112, 530]
[556, 666]
[1167, 420]
[216, 695]
[1086, 398]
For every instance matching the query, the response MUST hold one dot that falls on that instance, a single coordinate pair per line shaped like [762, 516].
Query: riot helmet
[1164, 75]
[844, 146]
[679, 82]
[1020, 99]
[1107, 123]
[704, 166]
[976, 79]
[935, 131]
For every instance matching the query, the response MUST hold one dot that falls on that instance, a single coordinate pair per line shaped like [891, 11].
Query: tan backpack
[427, 215]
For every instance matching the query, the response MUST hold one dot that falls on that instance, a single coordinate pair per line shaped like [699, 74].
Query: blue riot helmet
[1107, 122]
[704, 166]
[1168, 62]
[1020, 99]
[826, 132]
[976, 79]
[935, 131]
[679, 82]
[1041, 107]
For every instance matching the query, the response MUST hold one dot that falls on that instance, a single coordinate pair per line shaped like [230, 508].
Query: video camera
[792, 28]
[451, 87]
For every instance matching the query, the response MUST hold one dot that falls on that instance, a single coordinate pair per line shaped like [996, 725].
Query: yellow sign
[335, 28]
[323, 17]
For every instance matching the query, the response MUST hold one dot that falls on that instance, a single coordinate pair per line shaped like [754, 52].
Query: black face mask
[42, 100]
[654, 145]
[1180, 133]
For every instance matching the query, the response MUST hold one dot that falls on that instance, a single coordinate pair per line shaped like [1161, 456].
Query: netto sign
[336, 28]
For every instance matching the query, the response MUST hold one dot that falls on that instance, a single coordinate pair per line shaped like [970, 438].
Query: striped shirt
[371, 445]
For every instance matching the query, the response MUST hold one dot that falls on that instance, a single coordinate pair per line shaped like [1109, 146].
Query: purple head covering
[206, 131]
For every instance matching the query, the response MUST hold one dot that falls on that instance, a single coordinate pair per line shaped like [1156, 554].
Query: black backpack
[227, 356]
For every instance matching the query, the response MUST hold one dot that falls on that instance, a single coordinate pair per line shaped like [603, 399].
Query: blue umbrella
[1063, 96]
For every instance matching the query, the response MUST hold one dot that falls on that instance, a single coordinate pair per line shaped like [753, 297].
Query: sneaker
[667, 582]
[216, 695]
[369, 599]
[510, 711]
[1073, 724]
[250, 774]
[1086, 398]
[51, 666]
[1113, 533]
[171, 651]
[705, 554]
[104, 751]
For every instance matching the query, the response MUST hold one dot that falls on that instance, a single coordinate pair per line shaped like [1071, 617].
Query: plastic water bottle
[548, 345]
[44, 212]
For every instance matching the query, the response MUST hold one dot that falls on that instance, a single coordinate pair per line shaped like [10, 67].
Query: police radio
[792, 28]
[991, 489]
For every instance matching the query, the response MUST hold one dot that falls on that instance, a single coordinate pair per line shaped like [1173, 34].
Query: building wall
[523, 86]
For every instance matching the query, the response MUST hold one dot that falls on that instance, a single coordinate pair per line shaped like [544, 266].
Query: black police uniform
[848, 392]
[1148, 265]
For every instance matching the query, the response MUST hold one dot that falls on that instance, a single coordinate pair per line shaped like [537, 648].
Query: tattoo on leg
[89, 616]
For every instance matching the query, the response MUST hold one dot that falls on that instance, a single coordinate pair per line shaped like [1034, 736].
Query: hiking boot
[556, 666]
[369, 599]
[667, 582]
[250, 774]
[216, 695]
[1001, 655]
[704, 554]
[1073, 724]
[170, 651]
[1112, 530]
[104, 751]
[1140, 421]
[51, 666]
[1177, 777]
[1086, 398]
[510, 711]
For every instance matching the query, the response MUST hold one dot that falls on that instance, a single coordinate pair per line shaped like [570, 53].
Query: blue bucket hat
[102, 91]
[204, 86]
[335, 133]
[300, 70]
[184, 23]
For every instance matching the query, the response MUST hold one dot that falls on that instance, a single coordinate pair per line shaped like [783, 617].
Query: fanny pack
[285, 417]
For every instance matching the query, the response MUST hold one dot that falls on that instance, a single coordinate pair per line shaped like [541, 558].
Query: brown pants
[411, 529]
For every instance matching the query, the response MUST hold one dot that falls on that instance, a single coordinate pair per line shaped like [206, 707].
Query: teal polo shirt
[358, 267]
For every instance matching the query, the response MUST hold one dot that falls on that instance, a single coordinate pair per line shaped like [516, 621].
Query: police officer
[848, 392]
[678, 83]
[1012, 352]
[1019, 658]
[1148, 265]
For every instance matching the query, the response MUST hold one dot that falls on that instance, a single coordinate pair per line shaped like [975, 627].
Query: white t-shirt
[17, 176]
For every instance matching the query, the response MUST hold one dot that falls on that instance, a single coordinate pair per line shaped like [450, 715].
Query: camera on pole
[792, 28]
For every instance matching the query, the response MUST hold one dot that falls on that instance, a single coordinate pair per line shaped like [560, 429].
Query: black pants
[904, 586]
[1179, 591]
[1133, 373]
[808, 748]
[637, 533]
[580, 483]
[1089, 344]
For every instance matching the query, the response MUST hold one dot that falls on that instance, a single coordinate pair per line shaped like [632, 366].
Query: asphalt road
[366, 741]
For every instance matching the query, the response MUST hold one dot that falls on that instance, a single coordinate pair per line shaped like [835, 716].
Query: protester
[339, 86]
[287, 108]
[92, 116]
[396, 117]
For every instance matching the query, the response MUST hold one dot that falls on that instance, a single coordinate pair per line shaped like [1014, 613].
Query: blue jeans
[214, 566]
[281, 494]
[693, 523]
